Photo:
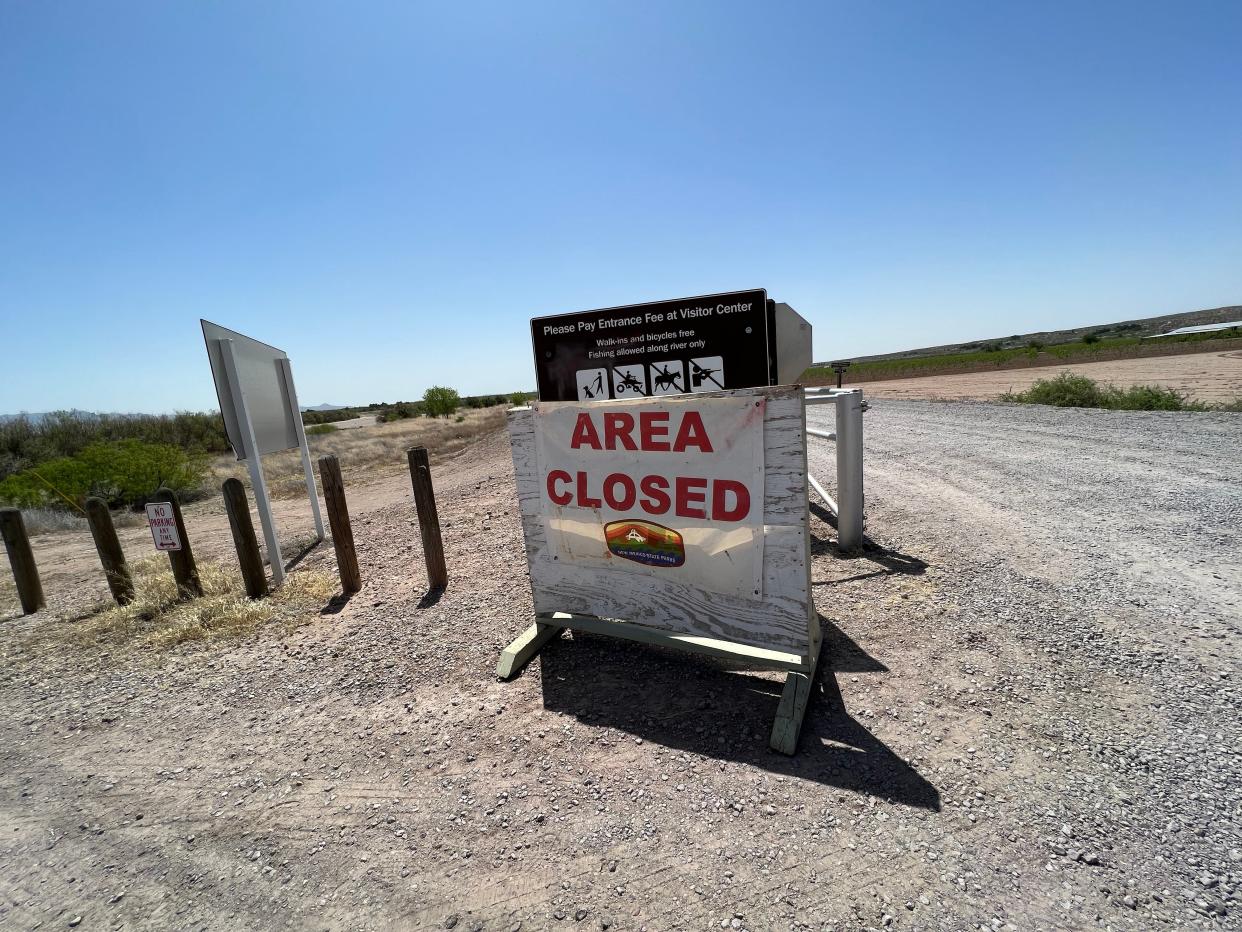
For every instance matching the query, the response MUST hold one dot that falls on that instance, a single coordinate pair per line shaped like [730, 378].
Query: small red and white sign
[163, 526]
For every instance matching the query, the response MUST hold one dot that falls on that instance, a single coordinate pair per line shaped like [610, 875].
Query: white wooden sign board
[666, 493]
[781, 619]
[163, 526]
[776, 629]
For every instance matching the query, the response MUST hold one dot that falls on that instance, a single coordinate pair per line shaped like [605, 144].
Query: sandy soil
[1021, 725]
[1210, 377]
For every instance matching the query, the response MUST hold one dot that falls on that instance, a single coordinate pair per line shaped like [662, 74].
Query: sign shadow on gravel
[888, 562]
[723, 711]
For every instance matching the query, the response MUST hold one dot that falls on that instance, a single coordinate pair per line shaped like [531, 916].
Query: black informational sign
[702, 344]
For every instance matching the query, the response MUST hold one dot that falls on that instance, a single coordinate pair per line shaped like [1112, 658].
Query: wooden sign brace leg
[524, 647]
[799, 687]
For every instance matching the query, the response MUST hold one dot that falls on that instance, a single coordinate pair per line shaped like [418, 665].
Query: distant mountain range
[325, 407]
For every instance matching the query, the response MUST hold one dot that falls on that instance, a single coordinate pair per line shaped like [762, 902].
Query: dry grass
[51, 520]
[157, 619]
[379, 449]
[8, 592]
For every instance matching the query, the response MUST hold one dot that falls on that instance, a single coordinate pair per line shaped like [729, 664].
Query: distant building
[1201, 328]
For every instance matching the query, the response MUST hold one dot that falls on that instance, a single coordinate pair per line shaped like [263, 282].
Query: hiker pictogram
[591, 384]
[629, 381]
[668, 378]
[707, 374]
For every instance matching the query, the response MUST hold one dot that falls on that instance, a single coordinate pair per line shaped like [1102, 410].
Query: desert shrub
[1090, 338]
[1036, 345]
[459, 418]
[1065, 391]
[331, 417]
[1150, 398]
[318, 430]
[520, 399]
[124, 473]
[399, 411]
[439, 401]
[1077, 391]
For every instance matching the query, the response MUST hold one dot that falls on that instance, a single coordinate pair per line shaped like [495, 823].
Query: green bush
[1065, 391]
[25, 442]
[439, 401]
[399, 411]
[520, 399]
[318, 430]
[1150, 398]
[329, 417]
[1077, 391]
[124, 473]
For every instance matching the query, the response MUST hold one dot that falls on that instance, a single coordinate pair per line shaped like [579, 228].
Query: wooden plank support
[21, 558]
[428, 518]
[338, 520]
[799, 687]
[760, 657]
[120, 581]
[184, 569]
[244, 539]
[519, 653]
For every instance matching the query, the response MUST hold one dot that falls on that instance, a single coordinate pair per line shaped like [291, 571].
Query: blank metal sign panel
[267, 395]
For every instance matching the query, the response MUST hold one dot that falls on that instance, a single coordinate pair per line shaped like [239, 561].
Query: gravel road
[1029, 720]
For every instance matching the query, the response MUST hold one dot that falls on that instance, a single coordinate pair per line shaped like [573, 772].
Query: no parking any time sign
[163, 526]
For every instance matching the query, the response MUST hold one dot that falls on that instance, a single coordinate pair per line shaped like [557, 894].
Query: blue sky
[390, 191]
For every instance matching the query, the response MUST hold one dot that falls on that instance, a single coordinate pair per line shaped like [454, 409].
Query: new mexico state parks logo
[645, 542]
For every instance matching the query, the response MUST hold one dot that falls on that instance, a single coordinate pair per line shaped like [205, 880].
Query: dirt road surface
[1209, 377]
[1028, 720]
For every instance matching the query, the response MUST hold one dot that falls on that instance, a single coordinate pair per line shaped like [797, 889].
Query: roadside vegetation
[124, 473]
[999, 354]
[50, 464]
[1068, 390]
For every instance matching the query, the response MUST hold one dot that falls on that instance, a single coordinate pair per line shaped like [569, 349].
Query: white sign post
[254, 383]
[678, 520]
[163, 525]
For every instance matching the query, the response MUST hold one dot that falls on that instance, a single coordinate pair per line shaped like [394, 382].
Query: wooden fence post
[21, 558]
[110, 554]
[338, 520]
[184, 569]
[238, 508]
[428, 518]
